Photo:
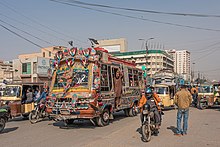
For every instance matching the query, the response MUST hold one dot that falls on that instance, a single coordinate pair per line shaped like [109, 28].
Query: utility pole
[146, 45]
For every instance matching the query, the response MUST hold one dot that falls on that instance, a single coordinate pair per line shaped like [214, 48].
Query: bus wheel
[126, 112]
[103, 119]
[133, 110]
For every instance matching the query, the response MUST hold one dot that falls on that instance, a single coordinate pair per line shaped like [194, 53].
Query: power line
[133, 17]
[42, 25]
[145, 11]
[20, 36]
[205, 49]
[209, 53]
[26, 32]
[31, 26]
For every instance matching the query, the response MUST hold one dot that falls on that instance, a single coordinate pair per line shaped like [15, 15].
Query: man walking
[182, 99]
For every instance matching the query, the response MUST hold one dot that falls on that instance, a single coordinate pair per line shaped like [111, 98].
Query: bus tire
[103, 119]
[133, 110]
[126, 112]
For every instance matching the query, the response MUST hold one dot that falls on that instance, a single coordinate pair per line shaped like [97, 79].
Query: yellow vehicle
[208, 95]
[166, 92]
[14, 96]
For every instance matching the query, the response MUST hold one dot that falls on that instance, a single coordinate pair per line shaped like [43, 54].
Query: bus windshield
[77, 77]
[205, 89]
[11, 91]
[161, 90]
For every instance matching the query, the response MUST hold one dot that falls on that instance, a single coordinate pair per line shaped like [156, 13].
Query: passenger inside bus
[118, 88]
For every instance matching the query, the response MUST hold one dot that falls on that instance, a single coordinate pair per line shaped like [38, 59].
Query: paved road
[204, 130]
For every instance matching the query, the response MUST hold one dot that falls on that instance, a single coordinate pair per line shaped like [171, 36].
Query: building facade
[33, 67]
[182, 63]
[6, 71]
[156, 60]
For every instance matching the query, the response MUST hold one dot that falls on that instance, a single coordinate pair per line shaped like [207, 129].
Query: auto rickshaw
[14, 97]
[209, 95]
[166, 92]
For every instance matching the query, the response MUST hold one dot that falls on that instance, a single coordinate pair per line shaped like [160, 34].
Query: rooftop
[140, 52]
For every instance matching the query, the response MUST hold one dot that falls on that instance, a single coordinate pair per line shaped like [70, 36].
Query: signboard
[42, 66]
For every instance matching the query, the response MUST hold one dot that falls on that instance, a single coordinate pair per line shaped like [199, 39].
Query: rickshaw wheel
[2, 124]
[203, 105]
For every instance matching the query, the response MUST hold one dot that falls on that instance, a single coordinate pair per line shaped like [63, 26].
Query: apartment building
[156, 60]
[6, 71]
[182, 63]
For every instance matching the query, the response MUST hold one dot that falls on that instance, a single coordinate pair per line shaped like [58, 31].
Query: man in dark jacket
[182, 99]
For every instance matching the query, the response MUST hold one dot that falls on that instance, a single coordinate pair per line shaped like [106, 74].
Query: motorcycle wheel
[2, 124]
[34, 117]
[146, 132]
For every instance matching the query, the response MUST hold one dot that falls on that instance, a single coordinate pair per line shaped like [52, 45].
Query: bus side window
[104, 78]
[136, 82]
[110, 77]
[130, 77]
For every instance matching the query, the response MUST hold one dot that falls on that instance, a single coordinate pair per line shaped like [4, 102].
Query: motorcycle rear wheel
[146, 133]
[34, 117]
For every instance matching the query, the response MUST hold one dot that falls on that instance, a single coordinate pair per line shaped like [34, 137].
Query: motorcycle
[148, 125]
[38, 113]
[4, 116]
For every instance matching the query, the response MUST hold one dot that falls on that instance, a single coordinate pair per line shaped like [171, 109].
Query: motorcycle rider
[149, 98]
[158, 102]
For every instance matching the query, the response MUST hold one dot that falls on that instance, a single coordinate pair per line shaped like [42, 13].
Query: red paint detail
[100, 103]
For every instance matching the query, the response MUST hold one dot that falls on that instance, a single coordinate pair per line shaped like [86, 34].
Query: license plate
[145, 111]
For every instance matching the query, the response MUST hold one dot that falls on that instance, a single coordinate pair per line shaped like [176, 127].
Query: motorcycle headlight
[146, 107]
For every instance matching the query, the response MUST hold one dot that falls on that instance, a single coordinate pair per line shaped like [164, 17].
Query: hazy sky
[45, 23]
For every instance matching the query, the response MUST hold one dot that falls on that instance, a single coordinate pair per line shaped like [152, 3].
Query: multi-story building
[33, 67]
[156, 60]
[182, 63]
[6, 71]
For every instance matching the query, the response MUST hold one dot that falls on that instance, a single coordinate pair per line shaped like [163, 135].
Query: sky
[28, 25]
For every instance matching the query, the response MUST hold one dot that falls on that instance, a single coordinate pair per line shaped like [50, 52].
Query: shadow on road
[7, 130]
[19, 119]
[118, 116]
[77, 124]
[173, 129]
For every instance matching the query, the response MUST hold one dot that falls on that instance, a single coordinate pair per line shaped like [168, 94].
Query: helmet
[149, 93]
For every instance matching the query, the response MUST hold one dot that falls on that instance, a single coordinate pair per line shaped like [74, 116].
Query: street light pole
[193, 75]
[146, 45]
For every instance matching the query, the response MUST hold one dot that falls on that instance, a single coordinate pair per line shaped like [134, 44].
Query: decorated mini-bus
[92, 84]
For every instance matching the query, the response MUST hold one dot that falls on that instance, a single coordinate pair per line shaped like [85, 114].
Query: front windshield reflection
[206, 89]
[161, 90]
[11, 91]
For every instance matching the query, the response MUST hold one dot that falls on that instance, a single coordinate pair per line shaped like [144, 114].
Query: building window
[49, 54]
[43, 54]
[26, 68]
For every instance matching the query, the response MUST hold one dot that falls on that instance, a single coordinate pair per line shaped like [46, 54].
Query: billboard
[43, 65]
